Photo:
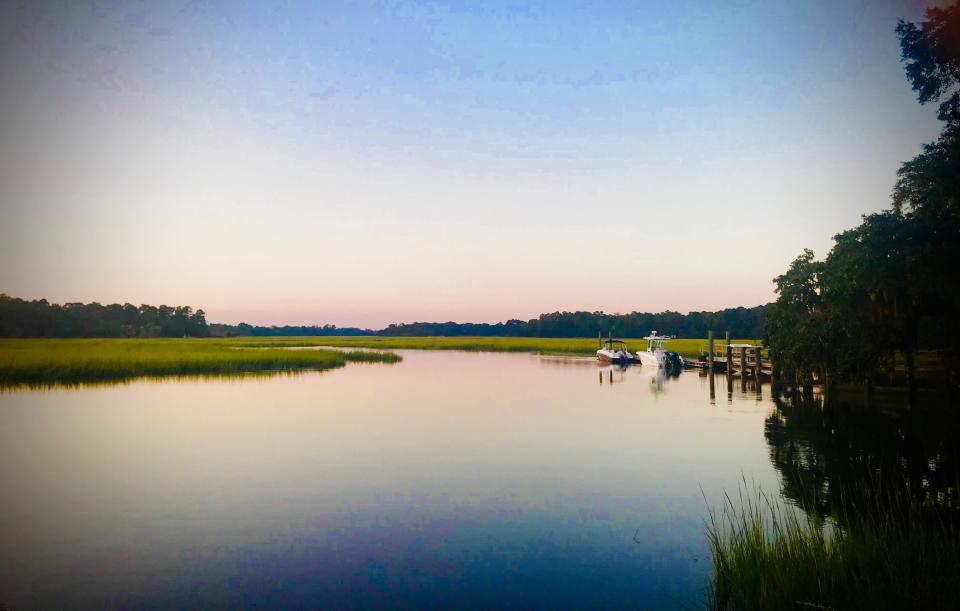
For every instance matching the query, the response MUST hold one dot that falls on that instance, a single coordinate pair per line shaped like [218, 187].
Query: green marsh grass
[886, 550]
[545, 345]
[67, 361]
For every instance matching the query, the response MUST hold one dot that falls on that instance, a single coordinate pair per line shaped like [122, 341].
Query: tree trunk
[827, 381]
[911, 382]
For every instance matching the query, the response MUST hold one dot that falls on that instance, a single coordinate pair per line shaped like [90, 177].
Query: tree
[931, 51]
[19, 318]
[888, 285]
[928, 186]
[795, 322]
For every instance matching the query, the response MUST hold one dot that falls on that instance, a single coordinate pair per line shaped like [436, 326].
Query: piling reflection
[611, 374]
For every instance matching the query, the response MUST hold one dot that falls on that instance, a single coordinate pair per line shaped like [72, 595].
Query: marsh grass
[544, 345]
[66, 361]
[885, 550]
[48, 361]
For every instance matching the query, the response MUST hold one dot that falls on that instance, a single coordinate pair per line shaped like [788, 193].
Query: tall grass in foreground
[68, 361]
[886, 550]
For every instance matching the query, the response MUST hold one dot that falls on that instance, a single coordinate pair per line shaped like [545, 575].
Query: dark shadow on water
[823, 451]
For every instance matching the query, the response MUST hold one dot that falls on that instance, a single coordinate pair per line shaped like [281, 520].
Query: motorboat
[614, 351]
[655, 355]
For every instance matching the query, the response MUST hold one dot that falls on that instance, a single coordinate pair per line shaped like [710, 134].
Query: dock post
[710, 350]
[743, 362]
[729, 356]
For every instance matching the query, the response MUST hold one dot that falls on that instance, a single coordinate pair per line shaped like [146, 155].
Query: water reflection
[13, 387]
[449, 479]
[823, 452]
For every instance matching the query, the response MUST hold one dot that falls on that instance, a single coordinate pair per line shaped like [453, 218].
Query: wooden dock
[735, 359]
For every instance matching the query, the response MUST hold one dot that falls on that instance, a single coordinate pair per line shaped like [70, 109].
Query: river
[449, 479]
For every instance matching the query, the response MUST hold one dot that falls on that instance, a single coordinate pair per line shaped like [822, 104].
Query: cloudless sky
[371, 162]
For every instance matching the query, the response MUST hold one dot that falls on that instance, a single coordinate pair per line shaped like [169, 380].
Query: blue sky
[371, 162]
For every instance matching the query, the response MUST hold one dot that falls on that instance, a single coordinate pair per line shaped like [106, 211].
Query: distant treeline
[39, 318]
[244, 330]
[20, 318]
[741, 322]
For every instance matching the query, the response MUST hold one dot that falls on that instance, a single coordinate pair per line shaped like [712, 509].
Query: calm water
[454, 479]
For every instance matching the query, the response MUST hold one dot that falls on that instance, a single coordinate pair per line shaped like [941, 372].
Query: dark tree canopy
[889, 286]
[929, 184]
[931, 51]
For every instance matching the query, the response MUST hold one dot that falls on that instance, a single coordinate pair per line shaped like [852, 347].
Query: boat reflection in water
[661, 378]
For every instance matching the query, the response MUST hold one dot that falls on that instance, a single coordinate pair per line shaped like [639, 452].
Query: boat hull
[655, 359]
[610, 356]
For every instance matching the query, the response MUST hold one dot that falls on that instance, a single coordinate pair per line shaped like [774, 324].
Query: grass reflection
[44, 363]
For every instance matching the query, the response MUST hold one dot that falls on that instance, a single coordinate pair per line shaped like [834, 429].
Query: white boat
[614, 351]
[654, 355]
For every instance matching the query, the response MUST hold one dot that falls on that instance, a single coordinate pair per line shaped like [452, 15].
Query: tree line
[741, 322]
[889, 287]
[39, 318]
[20, 318]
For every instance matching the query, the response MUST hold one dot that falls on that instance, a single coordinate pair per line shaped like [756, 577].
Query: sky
[362, 163]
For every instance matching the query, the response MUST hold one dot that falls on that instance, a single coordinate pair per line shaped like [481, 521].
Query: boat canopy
[614, 341]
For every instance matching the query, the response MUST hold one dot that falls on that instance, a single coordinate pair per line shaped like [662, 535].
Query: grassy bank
[886, 551]
[45, 361]
[51, 361]
[546, 345]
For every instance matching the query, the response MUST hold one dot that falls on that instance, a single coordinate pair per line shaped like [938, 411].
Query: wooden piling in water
[729, 356]
[743, 362]
[710, 350]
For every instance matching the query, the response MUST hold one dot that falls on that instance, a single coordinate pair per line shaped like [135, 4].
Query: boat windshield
[615, 344]
[656, 342]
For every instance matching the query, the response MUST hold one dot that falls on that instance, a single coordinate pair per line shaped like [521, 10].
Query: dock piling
[729, 356]
[710, 350]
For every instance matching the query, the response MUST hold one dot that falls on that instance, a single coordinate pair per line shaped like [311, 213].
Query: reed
[885, 550]
[48, 361]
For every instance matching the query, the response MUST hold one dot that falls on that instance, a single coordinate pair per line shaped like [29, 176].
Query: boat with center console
[656, 354]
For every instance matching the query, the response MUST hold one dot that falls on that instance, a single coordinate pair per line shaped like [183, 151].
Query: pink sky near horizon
[360, 167]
